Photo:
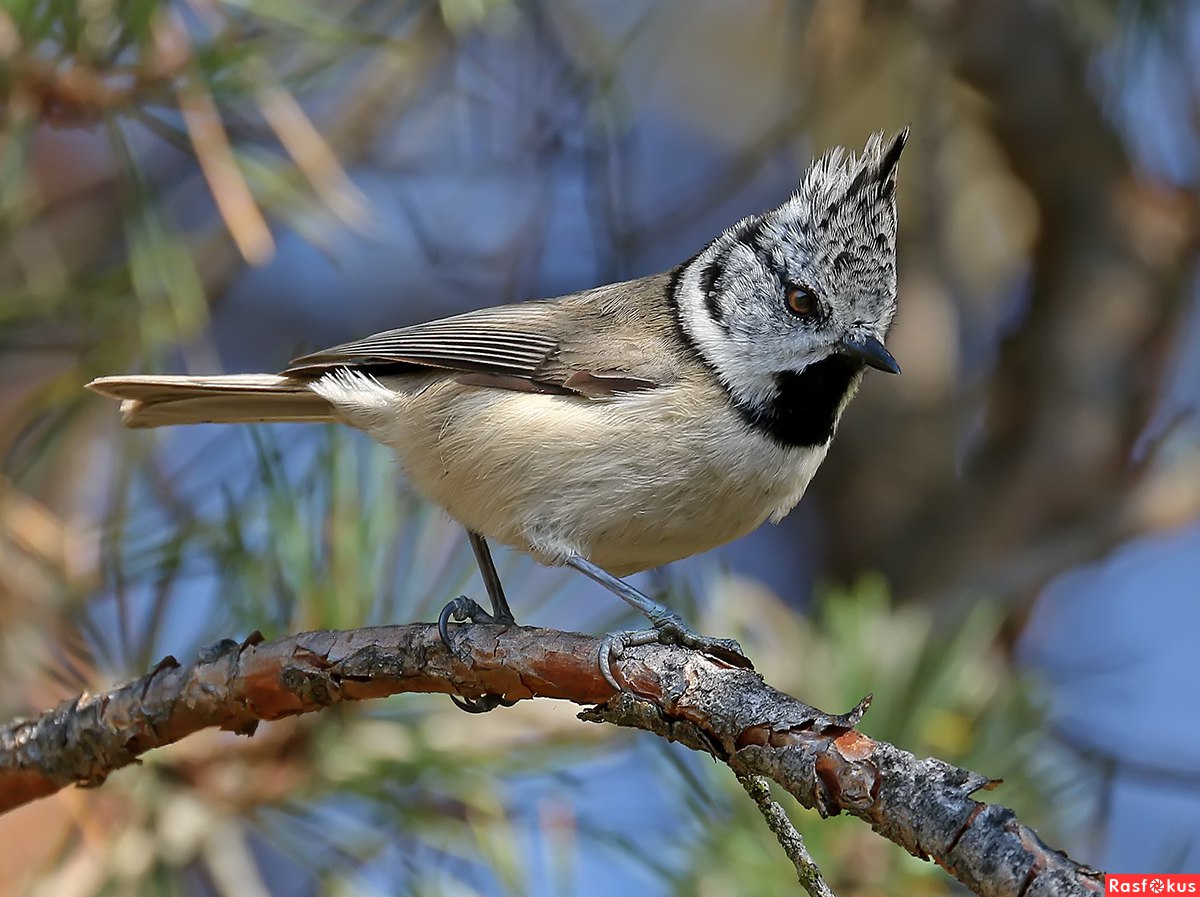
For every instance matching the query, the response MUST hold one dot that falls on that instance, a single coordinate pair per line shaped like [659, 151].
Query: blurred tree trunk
[1044, 484]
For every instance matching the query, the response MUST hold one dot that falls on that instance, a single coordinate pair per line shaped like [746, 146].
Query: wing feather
[489, 341]
[529, 347]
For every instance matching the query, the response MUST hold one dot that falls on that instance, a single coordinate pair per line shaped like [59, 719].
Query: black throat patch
[805, 410]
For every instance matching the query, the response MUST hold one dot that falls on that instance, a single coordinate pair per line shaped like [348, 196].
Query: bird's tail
[160, 401]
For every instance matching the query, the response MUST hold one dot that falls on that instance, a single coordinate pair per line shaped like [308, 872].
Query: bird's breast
[631, 483]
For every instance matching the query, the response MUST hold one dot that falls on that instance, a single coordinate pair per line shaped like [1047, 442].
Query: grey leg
[668, 625]
[491, 579]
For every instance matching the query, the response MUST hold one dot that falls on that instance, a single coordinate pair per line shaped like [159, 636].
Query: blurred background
[1004, 544]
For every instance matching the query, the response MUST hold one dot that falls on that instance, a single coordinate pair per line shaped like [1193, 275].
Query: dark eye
[801, 301]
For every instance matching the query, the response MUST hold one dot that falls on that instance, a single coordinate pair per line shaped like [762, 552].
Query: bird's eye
[801, 301]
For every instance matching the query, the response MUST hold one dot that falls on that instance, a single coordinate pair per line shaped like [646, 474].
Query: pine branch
[924, 805]
[785, 833]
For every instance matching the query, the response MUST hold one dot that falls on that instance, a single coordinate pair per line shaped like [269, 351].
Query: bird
[620, 428]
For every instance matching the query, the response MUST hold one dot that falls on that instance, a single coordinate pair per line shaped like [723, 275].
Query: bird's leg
[463, 608]
[491, 579]
[668, 626]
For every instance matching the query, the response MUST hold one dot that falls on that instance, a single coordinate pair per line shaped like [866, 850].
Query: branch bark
[924, 805]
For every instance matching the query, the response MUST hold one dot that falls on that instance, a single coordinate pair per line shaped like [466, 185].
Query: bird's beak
[869, 350]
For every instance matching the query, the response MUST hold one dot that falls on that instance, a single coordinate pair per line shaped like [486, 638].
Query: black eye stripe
[759, 244]
[754, 239]
[708, 291]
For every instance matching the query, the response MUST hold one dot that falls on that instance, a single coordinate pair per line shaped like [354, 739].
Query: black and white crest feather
[836, 236]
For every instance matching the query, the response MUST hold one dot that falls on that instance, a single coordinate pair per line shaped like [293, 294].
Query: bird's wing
[489, 340]
[527, 346]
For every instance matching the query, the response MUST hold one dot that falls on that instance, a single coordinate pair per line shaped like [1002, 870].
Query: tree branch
[924, 805]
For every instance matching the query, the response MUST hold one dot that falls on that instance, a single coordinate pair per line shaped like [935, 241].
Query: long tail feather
[159, 401]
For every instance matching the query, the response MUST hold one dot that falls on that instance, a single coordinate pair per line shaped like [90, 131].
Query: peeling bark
[924, 805]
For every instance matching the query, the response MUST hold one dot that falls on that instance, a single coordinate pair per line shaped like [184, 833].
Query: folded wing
[503, 348]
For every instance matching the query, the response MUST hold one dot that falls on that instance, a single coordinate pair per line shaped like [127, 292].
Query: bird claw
[668, 631]
[463, 609]
[482, 704]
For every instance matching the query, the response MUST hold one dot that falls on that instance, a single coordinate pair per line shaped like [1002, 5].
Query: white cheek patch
[747, 367]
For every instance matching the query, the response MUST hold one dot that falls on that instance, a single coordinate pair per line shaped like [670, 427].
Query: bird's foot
[462, 609]
[669, 629]
[482, 704]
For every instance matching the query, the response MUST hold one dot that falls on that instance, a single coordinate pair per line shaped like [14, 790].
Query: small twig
[789, 839]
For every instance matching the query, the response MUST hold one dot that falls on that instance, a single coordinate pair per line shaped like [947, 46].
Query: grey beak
[871, 351]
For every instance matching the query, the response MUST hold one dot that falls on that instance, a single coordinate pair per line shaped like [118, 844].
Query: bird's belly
[629, 484]
[639, 541]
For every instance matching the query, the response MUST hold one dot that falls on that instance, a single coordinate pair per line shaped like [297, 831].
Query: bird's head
[809, 281]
